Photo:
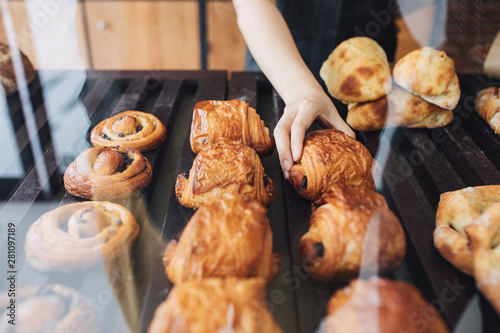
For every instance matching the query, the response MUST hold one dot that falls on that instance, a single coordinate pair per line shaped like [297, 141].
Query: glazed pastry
[430, 74]
[379, 305]
[132, 129]
[49, 308]
[456, 210]
[105, 173]
[7, 74]
[357, 71]
[224, 168]
[398, 109]
[215, 305]
[228, 236]
[484, 238]
[488, 107]
[76, 236]
[231, 121]
[329, 157]
[351, 227]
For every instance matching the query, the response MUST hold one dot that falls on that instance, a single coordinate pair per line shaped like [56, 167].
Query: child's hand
[298, 116]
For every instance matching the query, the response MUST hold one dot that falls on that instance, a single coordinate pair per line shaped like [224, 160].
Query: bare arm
[271, 43]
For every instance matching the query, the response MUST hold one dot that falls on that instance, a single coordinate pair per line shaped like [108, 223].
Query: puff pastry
[379, 305]
[357, 71]
[7, 73]
[228, 236]
[484, 237]
[398, 109]
[328, 157]
[488, 107]
[224, 168]
[49, 308]
[215, 305]
[132, 129]
[430, 74]
[76, 236]
[105, 173]
[351, 226]
[456, 210]
[231, 121]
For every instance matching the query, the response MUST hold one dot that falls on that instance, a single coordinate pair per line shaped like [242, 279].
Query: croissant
[231, 121]
[105, 173]
[484, 237]
[381, 305]
[488, 107]
[224, 168]
[328, 157]
[351, 226]
[76, 236]
[49, 308]
[132, 129]
[456, 210]
[228, 236]
[215, 305]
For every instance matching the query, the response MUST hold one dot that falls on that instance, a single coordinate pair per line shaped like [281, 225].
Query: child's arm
[271, 44]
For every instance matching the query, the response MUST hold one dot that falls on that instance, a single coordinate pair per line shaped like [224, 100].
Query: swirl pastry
[7, 73]
[105, 173]
[215, 305]
[328, 157]
[76, 236]
[231, 121]
[228, 236]
[484, 237]
[224, 168]
[49, 308]
[488, 107]
[351, 226]
[456, 210]
[379, 305]
[132, 129]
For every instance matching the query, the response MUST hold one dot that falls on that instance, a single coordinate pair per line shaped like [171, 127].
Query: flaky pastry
[8, 72]
[488, 107]
[224, 168]
[76, 236]
[232, 121]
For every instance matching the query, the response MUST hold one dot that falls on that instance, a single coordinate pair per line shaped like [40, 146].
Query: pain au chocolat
[228, 236]
[224, 168]
[351, 227]
[329, 157]
[232, 121]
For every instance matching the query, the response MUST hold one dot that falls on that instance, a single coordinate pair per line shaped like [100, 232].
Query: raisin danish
[328, 157]
[215, 305]
[7, 73]
[351, 226]
[456, 210]
[484, 237]
[49, 308]
[224, 168]
[105, 173]
[231, 121]
[488, 107]
[381, 305]
[228, 236]
[132, 129]
[76, 236]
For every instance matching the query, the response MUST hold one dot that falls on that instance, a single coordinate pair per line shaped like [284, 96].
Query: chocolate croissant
[381, 305]
[49, 308]
[105, 173]
[231, 121]
[132, 129]
[215, 305]
[351, 227]
[224, 168]
[229, 236]
[76, 236]
[329, 157]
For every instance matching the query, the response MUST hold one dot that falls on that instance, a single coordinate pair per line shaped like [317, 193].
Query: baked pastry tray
[417, 166]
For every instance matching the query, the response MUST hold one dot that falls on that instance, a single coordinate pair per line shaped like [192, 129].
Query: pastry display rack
[417, 165]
